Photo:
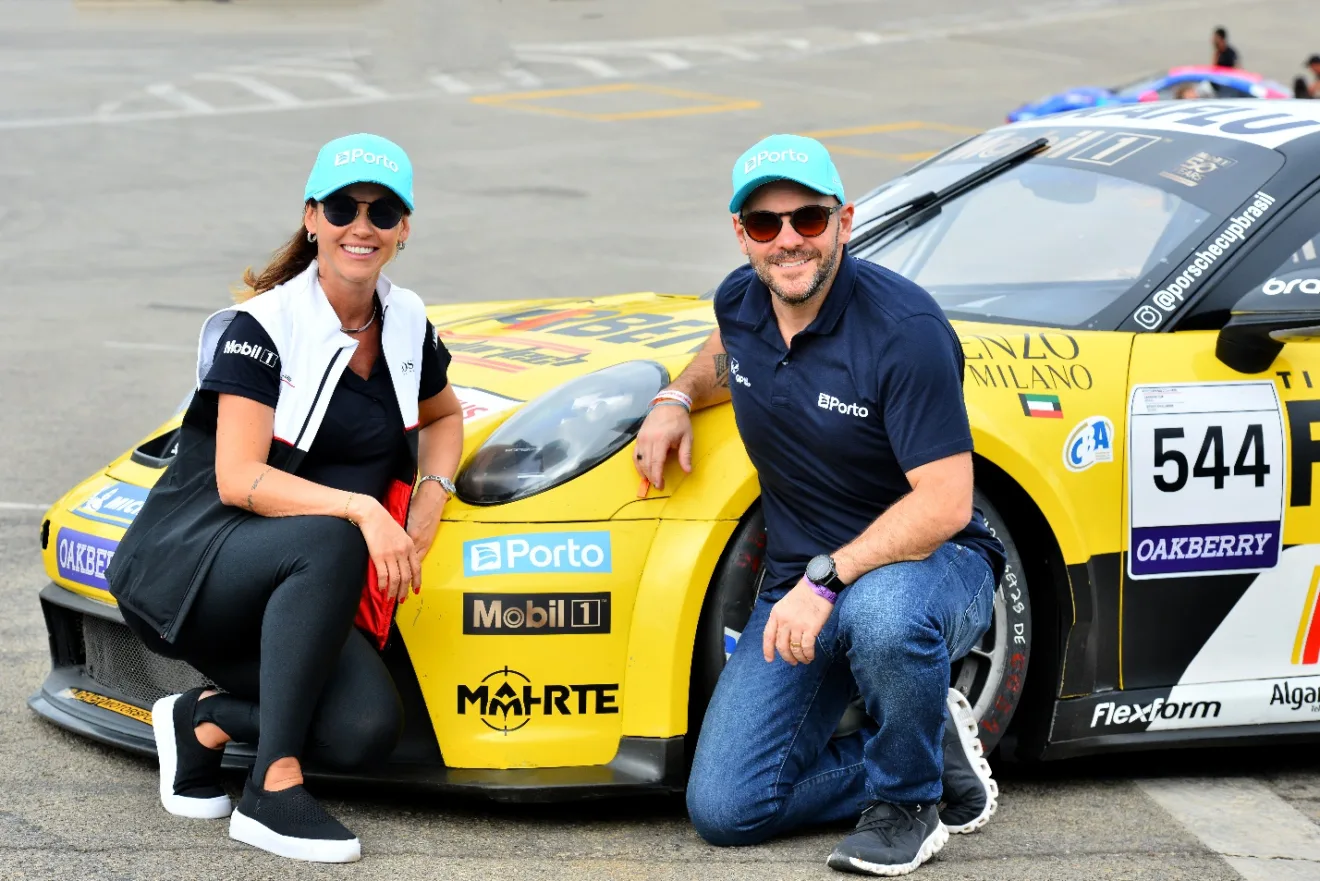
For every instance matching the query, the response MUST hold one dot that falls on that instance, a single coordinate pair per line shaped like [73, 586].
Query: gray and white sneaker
[890, 840]
[971, 794]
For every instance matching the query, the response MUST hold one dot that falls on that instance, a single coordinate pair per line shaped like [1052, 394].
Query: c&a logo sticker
[1090, 442]
[507, 700]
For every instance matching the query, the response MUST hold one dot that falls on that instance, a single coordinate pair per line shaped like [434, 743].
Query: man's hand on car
[667, 427]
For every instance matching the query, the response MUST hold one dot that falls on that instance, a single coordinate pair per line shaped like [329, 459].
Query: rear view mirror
[1281, 310]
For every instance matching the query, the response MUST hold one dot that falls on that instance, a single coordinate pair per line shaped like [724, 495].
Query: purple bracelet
[823, 592]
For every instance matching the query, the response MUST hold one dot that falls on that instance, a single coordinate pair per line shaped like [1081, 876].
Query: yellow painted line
[906, 126]
[876, 154]
[703, 102]
[1306, 617]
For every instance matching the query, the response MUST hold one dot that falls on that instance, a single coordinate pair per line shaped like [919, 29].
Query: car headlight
[565, 432]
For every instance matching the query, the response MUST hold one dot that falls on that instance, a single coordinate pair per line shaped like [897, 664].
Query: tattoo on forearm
[260, 477]
[722, 371]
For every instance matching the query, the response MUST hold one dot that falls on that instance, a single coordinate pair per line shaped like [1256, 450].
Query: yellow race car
[1136, 291]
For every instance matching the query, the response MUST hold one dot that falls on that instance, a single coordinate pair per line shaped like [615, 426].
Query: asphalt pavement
[152, 149]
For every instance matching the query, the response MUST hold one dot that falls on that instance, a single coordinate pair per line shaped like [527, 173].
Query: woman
[288, 515]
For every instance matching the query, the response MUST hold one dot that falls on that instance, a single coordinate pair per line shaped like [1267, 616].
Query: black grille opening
[117, 659]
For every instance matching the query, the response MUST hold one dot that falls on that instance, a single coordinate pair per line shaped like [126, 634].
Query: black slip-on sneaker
[190, 782]
[290, 823]
[971, 795]
[890, 840]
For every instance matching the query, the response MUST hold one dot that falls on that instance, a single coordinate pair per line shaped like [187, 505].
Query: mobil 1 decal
[1205, 480]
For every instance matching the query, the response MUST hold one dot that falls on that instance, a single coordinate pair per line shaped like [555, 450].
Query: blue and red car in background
[1212, 82]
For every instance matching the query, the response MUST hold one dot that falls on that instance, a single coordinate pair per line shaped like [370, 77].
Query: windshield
[1065, 235]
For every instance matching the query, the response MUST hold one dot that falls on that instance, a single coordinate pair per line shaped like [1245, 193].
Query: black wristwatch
[820, 570]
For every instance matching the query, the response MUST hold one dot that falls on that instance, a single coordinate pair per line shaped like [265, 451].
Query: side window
[1298, 277]
[1281, 273]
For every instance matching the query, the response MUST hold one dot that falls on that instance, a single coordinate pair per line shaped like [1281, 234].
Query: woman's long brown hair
[288, 262]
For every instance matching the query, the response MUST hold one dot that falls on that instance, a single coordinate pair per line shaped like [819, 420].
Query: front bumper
[103, 682]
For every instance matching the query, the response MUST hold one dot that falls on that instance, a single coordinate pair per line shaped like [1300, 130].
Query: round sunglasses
[809, 221]
[341, 210]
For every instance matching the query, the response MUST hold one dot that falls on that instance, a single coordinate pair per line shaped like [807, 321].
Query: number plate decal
[1205, 479]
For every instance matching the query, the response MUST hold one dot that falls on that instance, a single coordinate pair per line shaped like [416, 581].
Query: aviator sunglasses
[809, 221]
[341, 210]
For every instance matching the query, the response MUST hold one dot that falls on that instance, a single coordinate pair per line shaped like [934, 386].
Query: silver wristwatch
[445, 483]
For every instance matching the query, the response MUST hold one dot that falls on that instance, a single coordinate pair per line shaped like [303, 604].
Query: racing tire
[991, 676]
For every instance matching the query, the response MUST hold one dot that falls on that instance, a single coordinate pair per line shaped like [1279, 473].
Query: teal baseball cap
[359, 159]
[785, 157]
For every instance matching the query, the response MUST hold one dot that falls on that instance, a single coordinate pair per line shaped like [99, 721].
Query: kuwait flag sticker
[1043, 406]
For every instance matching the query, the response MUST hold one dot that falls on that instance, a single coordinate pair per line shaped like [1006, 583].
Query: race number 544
[1205, 479]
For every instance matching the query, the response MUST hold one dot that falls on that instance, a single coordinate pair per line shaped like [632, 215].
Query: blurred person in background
[1224, 55]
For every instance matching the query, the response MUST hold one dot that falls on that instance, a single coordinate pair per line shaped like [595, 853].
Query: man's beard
[824, 272]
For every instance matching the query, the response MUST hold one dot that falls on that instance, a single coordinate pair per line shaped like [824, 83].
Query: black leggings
[272, 625]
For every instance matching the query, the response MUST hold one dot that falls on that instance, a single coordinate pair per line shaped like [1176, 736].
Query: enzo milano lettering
[1295, 697]
[507, 700]
[1166, 300]
[1110, 713]
[1020, 362]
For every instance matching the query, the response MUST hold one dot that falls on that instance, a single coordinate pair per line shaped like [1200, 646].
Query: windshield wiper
[919, 209]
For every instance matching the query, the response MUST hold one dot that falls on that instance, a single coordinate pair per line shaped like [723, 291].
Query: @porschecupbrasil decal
[1206, 479]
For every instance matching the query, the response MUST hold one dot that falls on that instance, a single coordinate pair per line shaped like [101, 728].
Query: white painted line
[148, 347]
[1259, 834]
[451, 84]
[669, 61]
[798, 43]
[172, 94]
[161, 115]
[346, 81]
[523, 77]
[593, 66]
[260, 88]
[868, 38]
[109, 108]
[735, 52]
[21, 506]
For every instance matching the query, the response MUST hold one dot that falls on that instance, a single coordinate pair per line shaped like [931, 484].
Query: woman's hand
[392, 550]
[424, 519]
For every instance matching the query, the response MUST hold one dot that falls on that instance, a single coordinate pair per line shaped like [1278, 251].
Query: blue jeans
[765, 763]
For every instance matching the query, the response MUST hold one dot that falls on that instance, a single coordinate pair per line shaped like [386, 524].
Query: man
[1224, 54]
[847, 393]
[1302, 90]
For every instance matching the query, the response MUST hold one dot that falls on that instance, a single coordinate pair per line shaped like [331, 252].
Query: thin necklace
[363, 327]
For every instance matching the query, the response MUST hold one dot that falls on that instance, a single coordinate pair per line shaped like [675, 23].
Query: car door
[1221, 576]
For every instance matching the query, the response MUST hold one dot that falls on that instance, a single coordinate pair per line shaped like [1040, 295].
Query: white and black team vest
[167, 551]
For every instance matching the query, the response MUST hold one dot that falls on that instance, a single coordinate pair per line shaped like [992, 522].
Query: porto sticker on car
[538, 553]
[1091, 441]
[1206, 479]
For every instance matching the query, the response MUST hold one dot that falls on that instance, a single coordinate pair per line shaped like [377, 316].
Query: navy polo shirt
[870, 390]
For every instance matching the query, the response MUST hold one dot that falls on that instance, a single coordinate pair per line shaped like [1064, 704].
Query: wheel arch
[1051, 606]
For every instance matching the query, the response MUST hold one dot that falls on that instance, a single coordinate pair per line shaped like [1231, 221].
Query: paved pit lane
[149, 151]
